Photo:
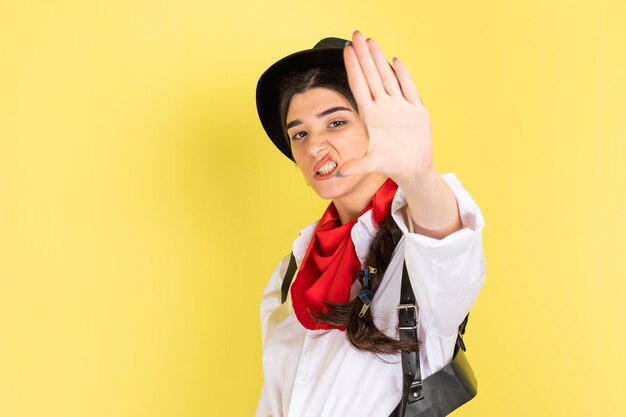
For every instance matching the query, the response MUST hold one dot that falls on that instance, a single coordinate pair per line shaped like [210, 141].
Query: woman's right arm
[447, 274]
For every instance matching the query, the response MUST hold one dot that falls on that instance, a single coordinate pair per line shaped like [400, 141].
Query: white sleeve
[263, 409]
[447, 274]
[271, 296]
[269, 302]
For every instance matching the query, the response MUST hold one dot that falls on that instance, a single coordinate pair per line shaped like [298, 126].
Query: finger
[357, 166]
[356, 78]
[406, 82]
[367, 65]
[388, 77]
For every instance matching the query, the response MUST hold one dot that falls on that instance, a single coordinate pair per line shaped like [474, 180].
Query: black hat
[327, 52]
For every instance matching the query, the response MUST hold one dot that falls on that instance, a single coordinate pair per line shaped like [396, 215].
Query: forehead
[314, 101]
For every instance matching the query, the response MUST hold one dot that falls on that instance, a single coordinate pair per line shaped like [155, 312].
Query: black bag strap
[407, 329]
[412, 386]
[291, 270]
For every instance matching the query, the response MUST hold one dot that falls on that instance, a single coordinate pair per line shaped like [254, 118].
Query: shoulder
[299, 247]
[301, 242]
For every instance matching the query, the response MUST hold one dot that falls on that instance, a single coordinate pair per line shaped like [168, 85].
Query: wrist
[419, 182]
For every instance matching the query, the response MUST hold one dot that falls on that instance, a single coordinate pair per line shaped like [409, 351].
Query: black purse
[440, 393]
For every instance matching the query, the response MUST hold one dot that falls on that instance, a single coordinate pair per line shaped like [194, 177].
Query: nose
[316, 145]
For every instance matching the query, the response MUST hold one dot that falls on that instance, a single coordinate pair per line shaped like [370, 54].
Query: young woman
[332, 342]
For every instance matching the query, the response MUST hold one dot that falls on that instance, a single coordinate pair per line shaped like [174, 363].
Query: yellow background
[143, 208]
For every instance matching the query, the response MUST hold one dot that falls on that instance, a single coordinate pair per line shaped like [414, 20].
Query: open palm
[398, 124]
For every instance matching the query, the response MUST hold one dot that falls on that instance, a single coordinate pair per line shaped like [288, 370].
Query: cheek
[352, 143]
[298, 157]
[297, 154]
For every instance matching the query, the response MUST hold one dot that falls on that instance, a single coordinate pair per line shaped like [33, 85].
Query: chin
[325, 193]
[332, 188]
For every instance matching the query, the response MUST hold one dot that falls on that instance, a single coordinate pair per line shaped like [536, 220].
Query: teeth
[327, 168]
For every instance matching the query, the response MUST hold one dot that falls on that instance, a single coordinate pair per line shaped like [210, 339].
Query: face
[325, 131]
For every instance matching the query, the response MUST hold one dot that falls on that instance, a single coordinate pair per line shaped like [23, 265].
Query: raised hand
[398, 124]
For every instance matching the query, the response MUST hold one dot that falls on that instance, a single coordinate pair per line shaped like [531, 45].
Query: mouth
[325, 168]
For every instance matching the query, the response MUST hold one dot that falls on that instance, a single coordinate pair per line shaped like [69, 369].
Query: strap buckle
[407, 307]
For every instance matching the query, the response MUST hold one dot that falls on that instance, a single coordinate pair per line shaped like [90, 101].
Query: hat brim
[268, 88]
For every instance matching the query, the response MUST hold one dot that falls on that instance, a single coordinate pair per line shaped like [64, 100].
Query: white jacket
[317, 373]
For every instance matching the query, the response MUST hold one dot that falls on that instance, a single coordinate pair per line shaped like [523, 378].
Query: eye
[298, 135]
[337, 123]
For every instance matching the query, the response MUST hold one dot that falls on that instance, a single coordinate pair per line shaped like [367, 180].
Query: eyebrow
[319, 116]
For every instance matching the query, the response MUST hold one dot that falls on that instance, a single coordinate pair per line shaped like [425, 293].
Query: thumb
[358, 166]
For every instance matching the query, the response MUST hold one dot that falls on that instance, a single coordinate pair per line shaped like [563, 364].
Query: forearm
[432, 205]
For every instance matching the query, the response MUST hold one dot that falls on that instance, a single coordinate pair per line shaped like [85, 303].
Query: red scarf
[330, 264]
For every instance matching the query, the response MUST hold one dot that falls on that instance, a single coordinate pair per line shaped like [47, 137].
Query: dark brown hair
[360, 331]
